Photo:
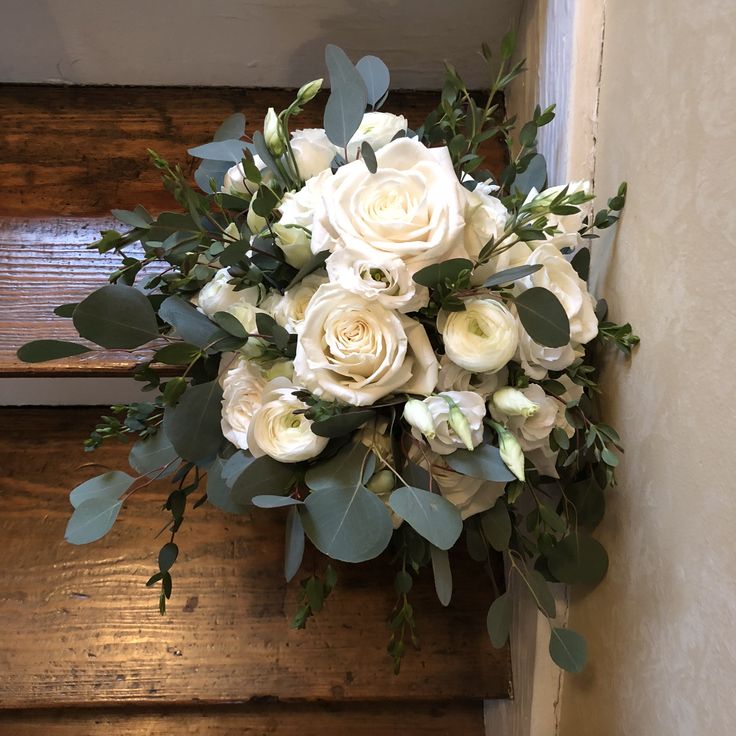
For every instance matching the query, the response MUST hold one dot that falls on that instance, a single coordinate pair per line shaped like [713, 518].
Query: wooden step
[70, 154]
[78, 627]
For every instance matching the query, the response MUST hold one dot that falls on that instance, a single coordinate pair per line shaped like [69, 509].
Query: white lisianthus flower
[446, 439]
[275, 430]
[413, 208]
[513, 402]
[481, 338]
[358, 351]
[242, 386]
[218, 295]
[235, 181]
[313, 151]
[454, 378]
[469, 495]
[288, 310]
[537, 359]
[376, 129]
[383, 278]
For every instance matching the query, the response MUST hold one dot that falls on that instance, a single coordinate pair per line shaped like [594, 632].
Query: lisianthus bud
[272, 133]
[514, 403]
[381, 482]
[309, 90]
[232, 233]
[511, 452]
[418, 415]
[460, 425]
[256, 223]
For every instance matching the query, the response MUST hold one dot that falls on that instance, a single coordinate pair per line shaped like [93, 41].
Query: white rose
[537, 359]
[383, 278]
[275, 430]
[235, 182]
[411, 208]
[445, 439]
[242, 386]
[376, 129]
[313, 151]
[245, 313]
[288, 310]
[218, 295]
[481, 338]
[469, 495]
[485, 218]
[454, 378]
[358, 351]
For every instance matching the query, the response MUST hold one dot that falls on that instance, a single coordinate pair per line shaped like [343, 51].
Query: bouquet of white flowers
[365, 327]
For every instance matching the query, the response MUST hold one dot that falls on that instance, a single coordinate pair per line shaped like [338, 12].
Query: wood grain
[70, 154]
[77, 625]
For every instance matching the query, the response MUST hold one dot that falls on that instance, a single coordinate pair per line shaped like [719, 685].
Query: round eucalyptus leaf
[498, 620]
[218, 491]
[190, 324]
[342, 424]
[167, 556]
[92, 519]
[376, 77]
[108, 485]
[543, 317]
[533, 177]
[509, 275]
[438, 273]
[429, 514]
[578, 558]
[343, 469]
[348, 97]
[442, 574]
[568, 649]
[293, 544]
[483, 462]
[232, 128]
[116, 316]
[496, 525]
[39, 351]
[275, 502]
[148, 457]
[264, 476]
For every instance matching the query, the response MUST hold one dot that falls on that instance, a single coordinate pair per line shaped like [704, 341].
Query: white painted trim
[60, 391]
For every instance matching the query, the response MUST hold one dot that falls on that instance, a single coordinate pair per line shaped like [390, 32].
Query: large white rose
[482, 338]
[377, 129]
[445, 439]
[358, 351]
[242, 388]
[288, 310]
[218, 295]
[313, 151]
[454, 378]
[275, 430]
[383, 278]
[412, 208]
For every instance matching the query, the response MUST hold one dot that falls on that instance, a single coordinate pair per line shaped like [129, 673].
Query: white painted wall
[242, 43]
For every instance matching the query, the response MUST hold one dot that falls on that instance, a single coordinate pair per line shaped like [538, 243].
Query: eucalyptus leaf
[189, 323]
[167, 556]
[348, 97]
[498, 620]
[218, 491]
[578, 558]
[376, 77]
[263, 476]
[342, 424]
[442, 574]
[116, 316]
[568, 649]
[581, 263]
[543, 317]
[293, 544]
[533, 177]
[232, 127]
[275, 502]
[343, 469]
[496, 525]
[92, 519]
[483, 462]
[259, 142]
[369, 157]
[589, 503]
[230, 324]
[316, 262]
[108, 485]
[193, 425]
[542, 594]
[39, 351]
[429, 514]
[438, 273]
[66, 310]
[149, 456]
[176, 353]
[509, 275]
[134, 219]
[211, 170]
[347, 524]
[225, 150]
[235, 465]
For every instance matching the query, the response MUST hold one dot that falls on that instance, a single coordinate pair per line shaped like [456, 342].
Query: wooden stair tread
[70, 154]
[79, 627]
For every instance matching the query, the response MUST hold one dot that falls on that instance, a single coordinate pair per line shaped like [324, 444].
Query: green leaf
[134, 219]
[508, 44]
[589, 503]
[232, 127]
[568, 649]
[376, 77]
[483, 462]
[496, 525]
[348, 524]
[225, 150]
[498, 620]
[431, 515]
[543, 595]
[167, 556]
[578, 558]
[442, 574]
[92, 519]
[264, 201]
[543, 317]
[369, 157]
[342, 424]
[293, 544]
[533, 177]
[553, 520]
[511, 274]
[403, 582]
[439, 273]
[235, 465]
[316, 262]
[39, 351]
[230, 324]
[275, 502]
[116, 316]
[148, 457]
[263, 476]
[581, 263]
[176, 353]
[343, 469]
[348, 97]
[609, 457]
[189, 323]
[110, 485]
[218, 491]
[193, 425]
[65, 310]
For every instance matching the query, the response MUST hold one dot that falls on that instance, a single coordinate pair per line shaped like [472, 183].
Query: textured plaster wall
[661, 626]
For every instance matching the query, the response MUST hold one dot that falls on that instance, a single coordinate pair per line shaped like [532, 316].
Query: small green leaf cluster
[314, 592]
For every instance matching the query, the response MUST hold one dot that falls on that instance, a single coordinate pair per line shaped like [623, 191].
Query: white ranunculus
[446, 439]
[383, 278]
[218, 295]
[412, 208]
[313, 151]
[377, 129]
[469, 495]
[482, 338]
[242, 386]
[358, 351]
[275, 430]
[288, 310]
[235, 182]
[454, 378]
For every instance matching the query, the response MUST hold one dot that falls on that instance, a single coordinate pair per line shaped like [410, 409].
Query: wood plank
[77, 625]
[68, 155]
[275, 719]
